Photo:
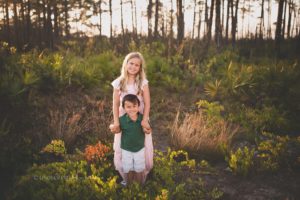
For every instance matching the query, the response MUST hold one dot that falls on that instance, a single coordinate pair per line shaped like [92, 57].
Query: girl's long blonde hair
[140, 77]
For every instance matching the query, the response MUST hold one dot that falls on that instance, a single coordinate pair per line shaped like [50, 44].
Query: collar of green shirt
[139, 119]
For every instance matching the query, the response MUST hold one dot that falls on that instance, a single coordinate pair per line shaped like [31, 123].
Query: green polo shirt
[133, 136]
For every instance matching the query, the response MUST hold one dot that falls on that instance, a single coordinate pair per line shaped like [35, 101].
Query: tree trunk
[66, 18]
[156, 19]
[149, 14]
[38, 25]
[269, 31]
[23, 34]
[223, 15]
[284, 19]
[7, 21]
[180, 21]
[210, 20]
[278, 24]
[290, 19]
[294, 23]
[261, 27]
[100, 18]
[227, 19]
[194, 18]
[163, 26]
[218, 33]
[234, 21]
[56, 25]
[28, 23]
[132, 16]
[243, 17]
[135, 16]
[171, 34]
[49, 26]
[199, 22]
[206, 18]
[16, 24]
[122, 23]
[110, 16]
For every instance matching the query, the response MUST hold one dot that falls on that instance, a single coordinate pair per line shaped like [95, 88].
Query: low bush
[171, 178]
[241, 161]
[270, 154]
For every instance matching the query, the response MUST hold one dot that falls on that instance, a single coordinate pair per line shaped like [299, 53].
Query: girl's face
[133, 66]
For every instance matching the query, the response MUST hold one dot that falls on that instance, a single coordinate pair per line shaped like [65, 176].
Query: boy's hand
[147, 130]
[114, 128]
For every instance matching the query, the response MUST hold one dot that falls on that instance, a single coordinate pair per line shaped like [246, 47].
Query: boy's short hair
[131, 98]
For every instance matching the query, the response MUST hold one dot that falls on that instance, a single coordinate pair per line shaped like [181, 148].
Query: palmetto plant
[238, 79]
[213, 89]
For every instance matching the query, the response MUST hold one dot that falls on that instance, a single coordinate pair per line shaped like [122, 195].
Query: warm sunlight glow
[246, 21]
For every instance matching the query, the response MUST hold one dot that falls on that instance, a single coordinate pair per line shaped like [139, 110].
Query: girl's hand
[147, 131]
[115, 128]
[145, 124]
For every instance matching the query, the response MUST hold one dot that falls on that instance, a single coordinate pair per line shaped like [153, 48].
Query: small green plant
[211, 109]
[241, 161]
[163, 196]
[272, 152]
[216, 193]
[56, 147]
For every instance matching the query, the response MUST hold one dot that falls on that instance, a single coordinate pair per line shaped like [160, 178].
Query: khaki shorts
[133, 161]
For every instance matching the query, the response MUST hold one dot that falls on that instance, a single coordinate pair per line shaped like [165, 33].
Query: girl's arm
[116, 105]
[146, 96]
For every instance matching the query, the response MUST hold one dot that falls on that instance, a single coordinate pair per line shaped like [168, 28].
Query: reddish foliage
[94, 153]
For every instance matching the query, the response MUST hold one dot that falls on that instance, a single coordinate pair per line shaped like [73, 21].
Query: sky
[250, 19]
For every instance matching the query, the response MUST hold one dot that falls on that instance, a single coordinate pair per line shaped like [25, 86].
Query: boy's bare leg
[125, 178]
[139, 177]
[130, 177]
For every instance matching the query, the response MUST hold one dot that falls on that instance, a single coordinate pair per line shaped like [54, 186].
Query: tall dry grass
[77, 119]
[200, 134]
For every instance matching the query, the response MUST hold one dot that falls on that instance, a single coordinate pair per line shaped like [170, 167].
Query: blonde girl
[132, 81]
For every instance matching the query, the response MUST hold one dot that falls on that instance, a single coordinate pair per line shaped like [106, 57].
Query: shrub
[66, 180]
[267, 118]
[272, 152]
[96, 153]
[212, 110]
[173, 178]
[241, 161]
[82, 180]
[56, 147]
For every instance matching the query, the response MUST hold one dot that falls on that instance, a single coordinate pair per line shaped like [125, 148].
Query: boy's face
[131, 109]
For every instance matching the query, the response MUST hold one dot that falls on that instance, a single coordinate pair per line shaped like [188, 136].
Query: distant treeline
[45, 23]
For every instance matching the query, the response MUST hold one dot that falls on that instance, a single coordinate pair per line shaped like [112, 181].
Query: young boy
[132, 140]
